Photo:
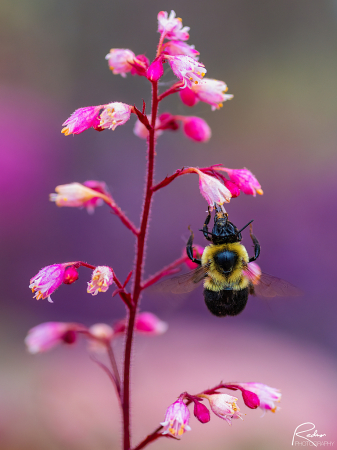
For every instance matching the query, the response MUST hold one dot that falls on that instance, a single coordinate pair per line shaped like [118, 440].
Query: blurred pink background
[279, 61]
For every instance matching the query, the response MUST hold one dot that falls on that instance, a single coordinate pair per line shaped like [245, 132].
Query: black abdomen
[226, 302]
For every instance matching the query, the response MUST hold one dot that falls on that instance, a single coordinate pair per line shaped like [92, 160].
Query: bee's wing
[270, 286]
[184, 283]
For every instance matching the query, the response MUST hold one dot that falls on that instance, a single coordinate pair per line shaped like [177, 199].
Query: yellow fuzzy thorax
[217, 281]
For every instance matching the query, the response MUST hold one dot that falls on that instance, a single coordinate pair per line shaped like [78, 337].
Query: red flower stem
[167, 270]
[161, 40]
[114, 367]
[110, 375]
[119, 213]
[170, 178]
[141, 239]
[175, 88]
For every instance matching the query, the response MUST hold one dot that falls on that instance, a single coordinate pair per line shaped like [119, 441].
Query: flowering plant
[214, 186]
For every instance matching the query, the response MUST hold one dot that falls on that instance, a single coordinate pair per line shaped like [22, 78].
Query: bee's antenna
[245, 226]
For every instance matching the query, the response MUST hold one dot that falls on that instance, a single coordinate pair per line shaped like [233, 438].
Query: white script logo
[304, 434]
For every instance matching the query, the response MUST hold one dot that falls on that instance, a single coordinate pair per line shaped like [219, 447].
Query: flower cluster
[222, 405]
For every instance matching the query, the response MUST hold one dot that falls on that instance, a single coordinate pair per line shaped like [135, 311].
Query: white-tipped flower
[101, 279]
[115, 114]
[213, 190]
[224, 406]
[187, 69]
[74, 195]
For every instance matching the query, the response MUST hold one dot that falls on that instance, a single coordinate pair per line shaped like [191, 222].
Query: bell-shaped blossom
[267, 395]
[75, 195]
[172, 26]
[187, 69]
[210, 91]
[142, 132]
[212, 189]
[122, 60]
[174, 48]
[156, 70]
[224, 406]
[196, 128]
[201, 412]
[82, 119]
[101, 279]
[176, 419]
[100, 335]
[253, 272]
[47, 335]
[145, 323]
[47, 280]
[70, 275]
[115, 114]
[245, 180]
[98, 186]
[197, 253]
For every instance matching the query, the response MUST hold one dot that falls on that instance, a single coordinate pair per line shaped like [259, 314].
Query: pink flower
[142, 132]
[76, 195]
[101, 279]
[174, 48]
[47, 280]
[210, 91]
[212, 189]
[172, 26]
[267, 395]
[195, 128]
[253, 272]
[119, 60]
[82, 119]
[224, 406]
[70, 275]
[115, 114]
[47, 335]
[98, 186]
[197, 252]
[146, 323]
[187, 69]
[176, 419]
[101, 334]
[156, 70]
[245, 180]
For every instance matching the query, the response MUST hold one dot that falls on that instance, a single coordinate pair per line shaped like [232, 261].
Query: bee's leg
[256, 246]
[205, 227]
[189, 249]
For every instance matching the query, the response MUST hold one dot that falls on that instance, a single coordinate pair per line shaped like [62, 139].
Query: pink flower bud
[82, 119]
[201, 412]
[174, 48]
[245, 180]
[266, 394]
[140, 65]
[75, 195]
[196, 128]
[212, 92]
[187, 69]
[197, 252]
[232, 187]
[101, 279]
[188, 96]
[70, 275]
[172, 26]
[253, 272]
[148, 323]
[168, 122]
[47, 280]
[156, 70]
[224, 406]
[115, 114]
[176, 419]
[47, 335]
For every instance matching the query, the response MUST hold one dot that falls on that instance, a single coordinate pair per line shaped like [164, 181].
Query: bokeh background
[279, 60]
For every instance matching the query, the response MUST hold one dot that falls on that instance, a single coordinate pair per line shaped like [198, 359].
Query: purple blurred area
[279, 61]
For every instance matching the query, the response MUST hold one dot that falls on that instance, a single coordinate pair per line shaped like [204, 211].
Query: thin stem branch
[114, 367]
[127, 222]
[141, 240]
[175, 88]
[167, 270]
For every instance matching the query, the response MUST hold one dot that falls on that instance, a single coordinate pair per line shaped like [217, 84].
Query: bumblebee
[224, 270]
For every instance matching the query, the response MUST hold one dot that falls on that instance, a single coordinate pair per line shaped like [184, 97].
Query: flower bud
[150, 324]
[70, 275]
[201, 412]
[156, 70]
[196, 128]
[47, 335]
[188, 97]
